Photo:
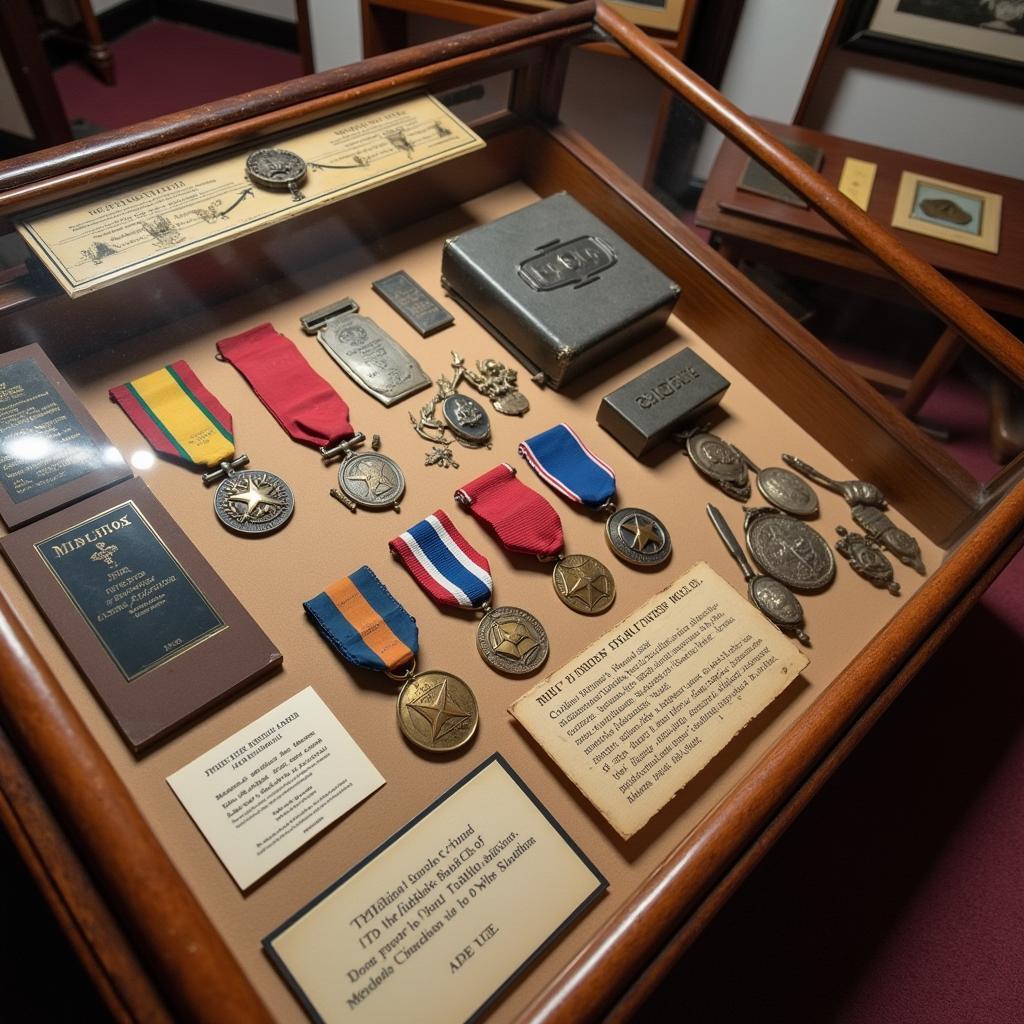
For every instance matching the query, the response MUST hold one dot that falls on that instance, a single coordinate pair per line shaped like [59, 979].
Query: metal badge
[280, 170]
[511, 640]
[775, 600]
[638, 537]
[467, 419]
[785, 490]
[369, 355]
[856, 492]
[367, 479]
[718, 461]
[881, 529]
[788, 549]
[412, 303]
[866, 559]
[495, 381]
[437, 712]
[252, 502]
[462, 416]
[583, 584]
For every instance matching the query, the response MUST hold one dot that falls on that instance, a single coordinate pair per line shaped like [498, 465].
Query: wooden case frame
[148, 944]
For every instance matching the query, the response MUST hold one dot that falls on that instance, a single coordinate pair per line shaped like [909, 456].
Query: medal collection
[359, 618]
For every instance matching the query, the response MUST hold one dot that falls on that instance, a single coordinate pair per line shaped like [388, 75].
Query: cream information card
[436, 922]
[638, 714]
[107, 237]
[266, 791]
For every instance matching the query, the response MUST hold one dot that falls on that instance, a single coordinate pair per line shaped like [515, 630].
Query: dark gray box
[647, 409]
[556, 286]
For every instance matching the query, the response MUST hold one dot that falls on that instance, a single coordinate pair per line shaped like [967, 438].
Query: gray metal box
[556, 286]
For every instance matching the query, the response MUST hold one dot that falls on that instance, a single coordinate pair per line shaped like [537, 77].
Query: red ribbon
[298, 397]
[523, 520]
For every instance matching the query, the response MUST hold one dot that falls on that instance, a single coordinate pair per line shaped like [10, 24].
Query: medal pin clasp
[343, 448]
[225, 469]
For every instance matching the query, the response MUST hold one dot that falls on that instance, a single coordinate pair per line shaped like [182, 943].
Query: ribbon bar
[360, 619]
[177, 415]
[567, 465]
[298, 397]
[444, 563]
[523, 520]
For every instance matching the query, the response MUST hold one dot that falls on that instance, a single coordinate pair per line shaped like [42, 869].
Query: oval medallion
[511, 640]
[437, 712]
[719, 462]
[467, 419]
[372, 480]
[785, 490]
[790, 550]
[253, 502]
[584, 584]
[638, 537]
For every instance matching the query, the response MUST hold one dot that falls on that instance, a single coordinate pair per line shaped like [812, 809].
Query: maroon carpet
[899, 894]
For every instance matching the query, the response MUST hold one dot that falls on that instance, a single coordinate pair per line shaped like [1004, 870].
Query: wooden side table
[797, 240]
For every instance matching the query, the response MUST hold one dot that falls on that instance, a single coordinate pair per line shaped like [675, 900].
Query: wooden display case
[158, 922]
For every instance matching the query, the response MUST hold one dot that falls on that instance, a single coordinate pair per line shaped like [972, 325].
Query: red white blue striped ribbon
[444, 563]
[568, 466]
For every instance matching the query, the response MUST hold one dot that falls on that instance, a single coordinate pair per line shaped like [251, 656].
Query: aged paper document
[857, 180]
[636, 716]
[270, 788]
[106, 237]
[433, 924]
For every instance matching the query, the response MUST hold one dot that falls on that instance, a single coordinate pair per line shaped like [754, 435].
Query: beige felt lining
[273, 576]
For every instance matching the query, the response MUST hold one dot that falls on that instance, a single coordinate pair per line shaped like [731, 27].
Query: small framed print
[946, 210]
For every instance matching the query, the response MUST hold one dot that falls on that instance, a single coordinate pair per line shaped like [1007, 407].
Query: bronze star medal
[638, 537]
[253, 502]
[584, 584]
[437, 711]
[511, 640]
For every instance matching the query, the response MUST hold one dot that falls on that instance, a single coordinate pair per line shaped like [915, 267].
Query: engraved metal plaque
[412, 303]
[577, 262]
[369, 355]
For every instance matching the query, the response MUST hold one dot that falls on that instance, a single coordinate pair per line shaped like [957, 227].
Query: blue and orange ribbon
[360, 619]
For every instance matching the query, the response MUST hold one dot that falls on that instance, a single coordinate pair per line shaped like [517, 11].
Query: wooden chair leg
[100, 56]
[935, 366]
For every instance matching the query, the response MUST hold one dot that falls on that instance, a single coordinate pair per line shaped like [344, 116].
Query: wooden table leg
[935, 366]
[100, 56]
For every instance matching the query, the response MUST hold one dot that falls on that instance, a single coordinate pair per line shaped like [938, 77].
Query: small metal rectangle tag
[412, 303]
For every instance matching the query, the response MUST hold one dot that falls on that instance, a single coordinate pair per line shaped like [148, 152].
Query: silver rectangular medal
[369, 355]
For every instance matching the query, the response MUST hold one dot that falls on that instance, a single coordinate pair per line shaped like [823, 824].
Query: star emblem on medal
[643, 533]
[253, 497]
[512, 639]
[587, 587]
[440, 710]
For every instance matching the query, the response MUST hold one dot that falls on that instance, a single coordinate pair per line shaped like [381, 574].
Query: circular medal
[437, 712]
[790, 550]
[511, 640]
[720, 462]
[372, 480]
[638, 537]
[253, 502]
[467, 419]
[785, 490]
[280, 170]
[584, 584]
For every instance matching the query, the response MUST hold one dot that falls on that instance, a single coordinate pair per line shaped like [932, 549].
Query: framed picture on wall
[980, 38]
[943, 209]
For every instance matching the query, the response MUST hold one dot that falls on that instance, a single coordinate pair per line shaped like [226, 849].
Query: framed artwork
[980, 38]
[945, 210]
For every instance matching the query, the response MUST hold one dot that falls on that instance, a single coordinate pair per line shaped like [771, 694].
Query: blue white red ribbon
[444, 563]
[568, 466]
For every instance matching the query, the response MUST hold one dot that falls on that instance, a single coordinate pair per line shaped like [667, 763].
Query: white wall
[336, 29]
[12, 117]
[885, 102]
[771, 58]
